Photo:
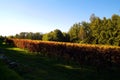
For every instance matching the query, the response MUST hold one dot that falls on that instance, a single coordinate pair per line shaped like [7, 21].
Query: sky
[47, 15]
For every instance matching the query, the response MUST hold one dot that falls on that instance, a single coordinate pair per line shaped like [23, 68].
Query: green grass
[38, 67]
[8, 74]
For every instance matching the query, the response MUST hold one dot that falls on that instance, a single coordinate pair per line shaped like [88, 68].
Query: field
[33, 66]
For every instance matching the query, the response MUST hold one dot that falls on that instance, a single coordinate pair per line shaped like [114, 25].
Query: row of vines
[96, 55]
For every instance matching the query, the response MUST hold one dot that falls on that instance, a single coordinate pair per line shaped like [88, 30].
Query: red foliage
[96, 55]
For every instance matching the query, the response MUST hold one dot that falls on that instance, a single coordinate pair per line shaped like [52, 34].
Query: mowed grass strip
[38, 67]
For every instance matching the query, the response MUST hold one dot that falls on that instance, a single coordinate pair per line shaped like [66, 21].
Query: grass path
[37, 67]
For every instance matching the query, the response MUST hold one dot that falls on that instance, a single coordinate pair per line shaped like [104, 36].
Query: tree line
[97, 31]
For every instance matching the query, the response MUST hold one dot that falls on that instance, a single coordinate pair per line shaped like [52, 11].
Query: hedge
[96, 55]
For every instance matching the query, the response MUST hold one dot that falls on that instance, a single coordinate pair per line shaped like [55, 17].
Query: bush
[96, 55]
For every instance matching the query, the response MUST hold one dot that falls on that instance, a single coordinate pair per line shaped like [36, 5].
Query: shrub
[96, 55]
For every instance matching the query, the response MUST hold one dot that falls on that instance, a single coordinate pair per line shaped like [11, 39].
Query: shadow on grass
[38, 67]
[8, 74]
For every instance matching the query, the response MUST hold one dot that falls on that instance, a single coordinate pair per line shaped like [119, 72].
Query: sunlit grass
[17, 49]
[38, 67]
[65, 66]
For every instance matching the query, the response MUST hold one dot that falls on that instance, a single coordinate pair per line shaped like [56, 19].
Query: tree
[22, 35]
[73, 32]
[66, 37]
[93, 17]
[115, 19]
[17, 36]
[29, 35]
[48, 36]
[102, 38]
[45, 37]
[82, 34]
[95, 27]
[57, 35]
[97, 31]
[37, 36]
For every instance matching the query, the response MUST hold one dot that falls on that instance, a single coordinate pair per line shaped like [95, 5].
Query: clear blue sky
[46, 15]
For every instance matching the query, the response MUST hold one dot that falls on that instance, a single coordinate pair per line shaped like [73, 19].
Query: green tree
[73, 32]
[82, 34]
[22, 35]
[57, 35]
[66, 37]
[37, 36]
[115, 19]
[95, 27]
[48, 36]
[93, 17]
[17, 36]
[29, 35]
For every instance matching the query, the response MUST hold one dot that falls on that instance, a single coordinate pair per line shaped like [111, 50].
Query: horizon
[47, 15]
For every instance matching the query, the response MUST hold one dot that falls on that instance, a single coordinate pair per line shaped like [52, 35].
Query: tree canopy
[97, 31]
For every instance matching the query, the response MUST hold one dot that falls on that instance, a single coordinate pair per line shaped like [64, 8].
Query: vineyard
[95, 55]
